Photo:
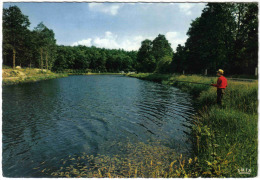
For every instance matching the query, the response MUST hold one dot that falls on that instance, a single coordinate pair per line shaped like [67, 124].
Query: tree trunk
[14, 58]
[4, 60]
[41, 60]
[46, 60]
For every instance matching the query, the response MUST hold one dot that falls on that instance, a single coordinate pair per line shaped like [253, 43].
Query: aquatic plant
[139, 160]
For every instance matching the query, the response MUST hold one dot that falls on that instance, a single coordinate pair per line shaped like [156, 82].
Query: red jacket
[221, 83]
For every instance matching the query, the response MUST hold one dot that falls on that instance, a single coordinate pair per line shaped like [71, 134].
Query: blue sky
[113, 25]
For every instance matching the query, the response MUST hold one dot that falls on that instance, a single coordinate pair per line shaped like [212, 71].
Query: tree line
[224, 36]
[24, 47]
[94, 59]
[37, 48]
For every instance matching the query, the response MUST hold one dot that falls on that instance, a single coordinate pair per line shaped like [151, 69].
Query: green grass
[225, 137]
[244, 76]
[32, 79]
[18, 76]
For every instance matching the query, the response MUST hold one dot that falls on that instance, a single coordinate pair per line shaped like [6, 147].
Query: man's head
[220, 72]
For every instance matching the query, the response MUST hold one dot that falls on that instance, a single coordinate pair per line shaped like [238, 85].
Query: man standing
[221, 86]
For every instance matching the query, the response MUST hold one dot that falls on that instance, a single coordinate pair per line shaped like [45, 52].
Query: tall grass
[225, 138]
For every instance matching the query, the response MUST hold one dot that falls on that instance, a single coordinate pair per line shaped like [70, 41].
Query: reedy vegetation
[225, 138]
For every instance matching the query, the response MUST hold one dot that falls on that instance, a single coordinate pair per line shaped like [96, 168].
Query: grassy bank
[17, 76]
[225, 138]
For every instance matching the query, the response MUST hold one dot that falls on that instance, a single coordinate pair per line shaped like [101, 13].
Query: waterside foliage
[225, 138]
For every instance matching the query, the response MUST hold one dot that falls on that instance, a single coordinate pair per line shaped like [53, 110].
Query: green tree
[161, 48]
[251, 43]
[46, 43]
[164, 65]
[15, 26]
[225, 36]
[145, 59]
[245, 52]
[179, 60]
[61, 62]
[209, 44]
[27, 51]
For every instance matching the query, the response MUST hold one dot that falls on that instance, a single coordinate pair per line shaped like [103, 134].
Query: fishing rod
[191, 82]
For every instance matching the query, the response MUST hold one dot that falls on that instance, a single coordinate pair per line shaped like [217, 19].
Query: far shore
[20, 75]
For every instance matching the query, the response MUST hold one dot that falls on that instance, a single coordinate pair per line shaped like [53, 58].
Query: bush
[163, 66]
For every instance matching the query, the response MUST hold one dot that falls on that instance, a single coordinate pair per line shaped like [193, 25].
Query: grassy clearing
[17, 76]
[225, 137]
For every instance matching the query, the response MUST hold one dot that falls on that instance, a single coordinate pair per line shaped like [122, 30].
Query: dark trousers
[220, 93]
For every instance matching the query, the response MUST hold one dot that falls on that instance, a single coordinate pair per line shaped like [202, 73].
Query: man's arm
[218, 83]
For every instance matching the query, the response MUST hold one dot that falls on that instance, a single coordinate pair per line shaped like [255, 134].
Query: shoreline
[20, 79]
[21, 76]
[225, 138]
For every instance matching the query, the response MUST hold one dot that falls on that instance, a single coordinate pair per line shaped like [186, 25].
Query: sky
[113, 25]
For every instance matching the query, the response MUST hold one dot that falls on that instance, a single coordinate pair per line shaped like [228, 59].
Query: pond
[46, 121]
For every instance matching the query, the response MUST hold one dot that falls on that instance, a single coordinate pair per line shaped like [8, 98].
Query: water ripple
[49, 120]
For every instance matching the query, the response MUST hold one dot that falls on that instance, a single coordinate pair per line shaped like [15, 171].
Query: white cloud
[175, 38]
[84, 42]
[111, 9]
[108, 41]
[133, 43]
[171, 35]
[186, 8]
[111, 41]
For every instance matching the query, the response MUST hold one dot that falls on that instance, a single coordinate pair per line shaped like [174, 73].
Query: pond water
[46, 121]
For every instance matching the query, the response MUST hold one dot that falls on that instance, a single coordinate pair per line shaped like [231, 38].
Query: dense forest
[224, 36]
[38, 48]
